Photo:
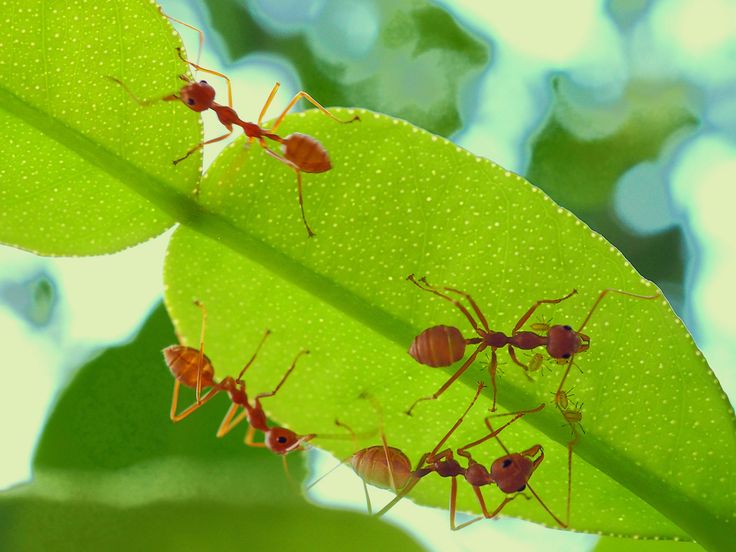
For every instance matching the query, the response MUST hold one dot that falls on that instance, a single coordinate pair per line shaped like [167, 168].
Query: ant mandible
[445, 345]
[301, 152]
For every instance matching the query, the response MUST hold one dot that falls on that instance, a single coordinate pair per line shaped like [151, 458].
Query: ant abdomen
[371, 465]
[438, 346]
[511, 472]
[184, 363]
[306, 153]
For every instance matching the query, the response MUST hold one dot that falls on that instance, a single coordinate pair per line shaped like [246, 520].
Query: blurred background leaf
[584, 148]
[113, 473]
[410, 59]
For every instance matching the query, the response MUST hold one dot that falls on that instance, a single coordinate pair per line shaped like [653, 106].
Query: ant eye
[566, 355]
[202, 82]
[281, 439]
[568, 328]
[521, 488]
[190, 101]
[507, 463]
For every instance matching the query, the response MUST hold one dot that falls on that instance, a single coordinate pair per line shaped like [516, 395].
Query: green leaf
[400, 200]
[409, 58]
[113, 473]
[609, 544]
[73, 142]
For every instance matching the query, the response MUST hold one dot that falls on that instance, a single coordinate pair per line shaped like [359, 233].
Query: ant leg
[228, 423]
[558, 393]
[450, 381]
[558, 520]
[192, 27]
[492, 367]
[493, 433]
[484, 509]
[432, 456]
[620, 292]
[268, 103]
[187, 411]
[249, 439]
[311, 100]
[283, 380]
[389, 464]
[298, 172]
[473, 304]
[139, 101]
[211, 72]
[200, 361]
[512, 354]
[255, 354]
[535, 306]
[201, 145]
[425, 286]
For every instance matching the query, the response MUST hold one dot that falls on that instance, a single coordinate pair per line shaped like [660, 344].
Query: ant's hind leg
[292, 103]
[298, 172]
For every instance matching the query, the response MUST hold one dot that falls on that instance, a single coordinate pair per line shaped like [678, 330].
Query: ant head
[282, 441]
[563, 342]
[184, 363]
[197, 96]
[511, 472]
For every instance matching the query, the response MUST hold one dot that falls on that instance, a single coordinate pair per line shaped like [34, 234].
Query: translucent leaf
[78, 153]
[398, 201]
[112, 472]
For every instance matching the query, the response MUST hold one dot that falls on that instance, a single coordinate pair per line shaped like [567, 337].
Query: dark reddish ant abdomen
[438, 346]
[183, 363]
[562, 342]
[197, 96]
[370, 464]
[306, 153]
[280, 440]
[511, 473]
[527, 340]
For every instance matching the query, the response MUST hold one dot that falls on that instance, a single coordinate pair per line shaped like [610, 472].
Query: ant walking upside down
[300, 152]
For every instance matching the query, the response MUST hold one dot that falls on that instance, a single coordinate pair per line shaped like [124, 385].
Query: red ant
[192, 368]
[389, 468]
[445, 345]
[301, 153]
[511, 473]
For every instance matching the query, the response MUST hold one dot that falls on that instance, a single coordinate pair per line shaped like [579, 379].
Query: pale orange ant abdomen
[184, 363]
[371, 465]
[562, 341]
[511, 472]
[438, 346]
[197, 96]
[306, 153]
